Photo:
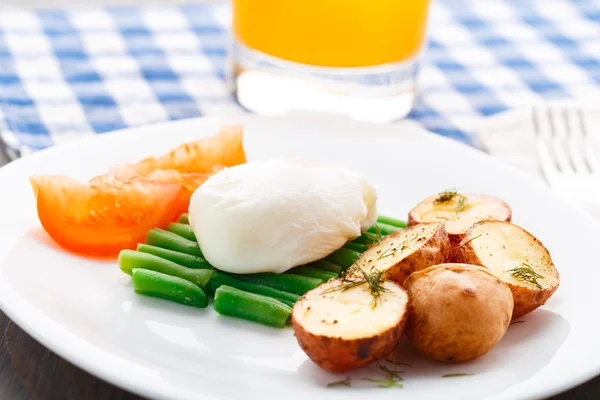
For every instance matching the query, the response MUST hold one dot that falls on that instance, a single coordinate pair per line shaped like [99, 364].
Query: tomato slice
[224, 149]
[189, 164]
[189, 183]
[102, 219]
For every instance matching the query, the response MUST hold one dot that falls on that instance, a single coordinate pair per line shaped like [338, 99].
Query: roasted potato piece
[345, 329]
[406, 251]
[516, 257]
[459, 211]
[458, 312]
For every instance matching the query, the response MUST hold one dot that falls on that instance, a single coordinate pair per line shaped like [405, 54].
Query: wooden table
[30, 371]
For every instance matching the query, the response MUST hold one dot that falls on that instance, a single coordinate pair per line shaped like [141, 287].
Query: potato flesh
[474, 209]
[502, 247]
[390, 252]
[351, 314]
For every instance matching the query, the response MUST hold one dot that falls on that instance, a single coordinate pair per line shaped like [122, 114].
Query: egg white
[273, 215]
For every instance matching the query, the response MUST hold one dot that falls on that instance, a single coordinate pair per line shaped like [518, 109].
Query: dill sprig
[449, 195]
[445, 196]
[465, 242]
[526, 273]
[455, 375]
[389, 252]
[378, 233]
[373, 280]
[391, 377]
[461, 204]
[343, 382]
[400, 363]
[516, 322]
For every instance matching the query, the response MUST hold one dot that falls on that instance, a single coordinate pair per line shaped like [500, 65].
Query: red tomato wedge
[103, 219]
[189, 183]
[189, 164]
[225, 148]
[202, 156]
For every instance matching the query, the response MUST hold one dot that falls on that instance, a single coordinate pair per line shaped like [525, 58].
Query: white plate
[86, 311]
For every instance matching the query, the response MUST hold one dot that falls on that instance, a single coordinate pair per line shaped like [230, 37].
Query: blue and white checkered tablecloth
[65, 74]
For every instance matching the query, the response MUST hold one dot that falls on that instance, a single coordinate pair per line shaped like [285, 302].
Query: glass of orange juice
[355, 57]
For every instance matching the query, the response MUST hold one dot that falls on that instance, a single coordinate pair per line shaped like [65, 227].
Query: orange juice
[332, 33]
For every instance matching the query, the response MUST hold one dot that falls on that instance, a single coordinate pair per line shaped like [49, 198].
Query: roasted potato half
[405, 251]
[516, 257]
[459, 211]
[341, 328]
[458, 312]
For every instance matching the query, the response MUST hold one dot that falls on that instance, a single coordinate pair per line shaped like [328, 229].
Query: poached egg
[273, 215]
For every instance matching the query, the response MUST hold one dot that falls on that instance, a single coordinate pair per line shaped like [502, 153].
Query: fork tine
[582, 122]
[547, 164]
[590, 156]
[551, 122]
[574, 142]
[557, 147]
[591, 159]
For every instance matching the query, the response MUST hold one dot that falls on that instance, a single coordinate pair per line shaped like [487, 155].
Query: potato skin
[526, 299]
[336, 354]
[436, 250]
[458, 312]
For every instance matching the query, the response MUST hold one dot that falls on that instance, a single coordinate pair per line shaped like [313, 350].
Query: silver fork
[565, 153]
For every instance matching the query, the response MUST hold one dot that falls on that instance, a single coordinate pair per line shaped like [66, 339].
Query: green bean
[187, 260]
[398, 223]
[367, 238]
[343, 257]
[287, 303]
[221, 278]
[182, 230]
[325, 265]
[251, 306]
[360, 248]
[168, 240]
[130, 259]
[156, 284]
[313, 273]
[385, 229]
[184, 219]
[287, 282]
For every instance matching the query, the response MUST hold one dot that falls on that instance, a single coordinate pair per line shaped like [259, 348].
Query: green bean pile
[170, 265]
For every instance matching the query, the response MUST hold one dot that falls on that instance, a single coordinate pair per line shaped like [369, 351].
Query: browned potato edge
[526, 299]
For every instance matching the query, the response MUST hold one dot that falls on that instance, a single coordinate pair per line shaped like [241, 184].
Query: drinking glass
[356, 57]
